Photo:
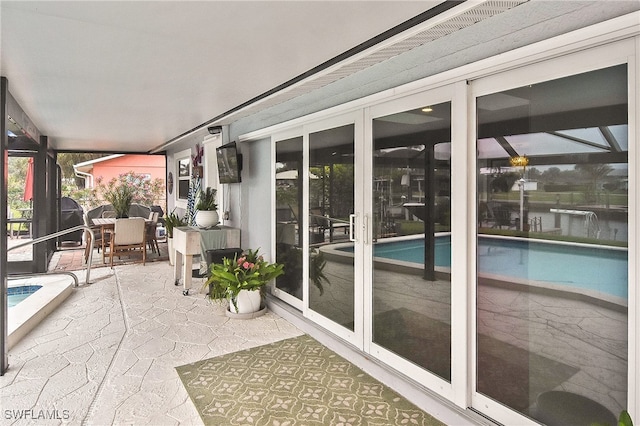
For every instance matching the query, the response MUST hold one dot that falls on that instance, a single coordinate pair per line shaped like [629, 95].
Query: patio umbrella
[28, 182]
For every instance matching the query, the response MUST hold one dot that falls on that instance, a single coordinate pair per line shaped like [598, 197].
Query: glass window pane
[552, 246]
[412, 249]
[288, 207]
[331, 201]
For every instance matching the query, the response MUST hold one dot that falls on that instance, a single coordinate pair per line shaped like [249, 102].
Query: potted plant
[241, 281]
[207, 214]
[120, 197]
[291, 257]
[171, 220]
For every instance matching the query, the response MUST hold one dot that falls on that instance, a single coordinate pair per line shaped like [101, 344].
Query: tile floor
[107, 355]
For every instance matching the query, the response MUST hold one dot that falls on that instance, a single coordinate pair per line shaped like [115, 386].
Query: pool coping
[27, 314]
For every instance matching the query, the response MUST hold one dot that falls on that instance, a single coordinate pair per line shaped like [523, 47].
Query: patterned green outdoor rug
[293, 382]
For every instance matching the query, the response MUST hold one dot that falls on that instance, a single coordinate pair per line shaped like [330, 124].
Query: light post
[521, 160]
[521, 186]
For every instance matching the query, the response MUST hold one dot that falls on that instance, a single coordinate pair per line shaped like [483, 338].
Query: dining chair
[152, 239]
[97, 234]
[128, 235]
[108, 214]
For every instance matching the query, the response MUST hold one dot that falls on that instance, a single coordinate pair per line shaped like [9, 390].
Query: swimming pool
[17, 294]
[33, 298]
[601, 269]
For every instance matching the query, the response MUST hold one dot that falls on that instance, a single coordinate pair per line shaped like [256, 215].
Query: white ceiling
[128, 76]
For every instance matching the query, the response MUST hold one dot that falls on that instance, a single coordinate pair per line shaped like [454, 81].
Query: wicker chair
[128, 235]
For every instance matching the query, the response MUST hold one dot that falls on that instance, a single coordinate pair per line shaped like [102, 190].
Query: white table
[186, 243]
[189, 241]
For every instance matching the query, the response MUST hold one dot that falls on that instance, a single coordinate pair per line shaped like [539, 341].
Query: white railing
[59, 234]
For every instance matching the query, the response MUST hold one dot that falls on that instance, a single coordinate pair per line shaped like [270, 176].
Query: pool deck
[107, 354]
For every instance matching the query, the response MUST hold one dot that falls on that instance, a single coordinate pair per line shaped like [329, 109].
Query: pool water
[586, 267]
[16, 295]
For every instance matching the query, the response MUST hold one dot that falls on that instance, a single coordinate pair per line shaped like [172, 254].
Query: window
[184, 174]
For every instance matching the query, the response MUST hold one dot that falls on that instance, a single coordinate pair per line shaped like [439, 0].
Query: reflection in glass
[331, 198]
[288, 202]
[412, 225]
[551, 250]
[20, 209]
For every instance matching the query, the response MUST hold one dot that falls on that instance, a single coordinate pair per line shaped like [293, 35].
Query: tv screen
[229, 163]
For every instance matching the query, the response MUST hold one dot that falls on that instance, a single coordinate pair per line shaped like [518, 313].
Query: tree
[17, 171]
[594, 173]
[66, 161]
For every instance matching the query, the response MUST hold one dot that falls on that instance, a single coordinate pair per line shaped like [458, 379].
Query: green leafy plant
[207, 200]
[171, 220]
[145, 191]
[625, 419]
[248, 272]
[120, 197]
[291, 257]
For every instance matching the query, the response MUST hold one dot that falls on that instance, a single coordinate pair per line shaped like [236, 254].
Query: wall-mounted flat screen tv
[229, 163]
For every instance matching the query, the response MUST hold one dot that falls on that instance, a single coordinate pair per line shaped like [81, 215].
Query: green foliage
[171, 220]
[337, 202]
[248, 272]
[17, 172]
[291, 257]
[207, 200]
[66, 160]
[120, 197]
[551, 237]
[145, 191]
[625, 419]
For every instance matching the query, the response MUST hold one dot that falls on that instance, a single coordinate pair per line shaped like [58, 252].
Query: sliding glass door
[475, 236]
[333, 240]
[551, 248]
[410, 263]
[319, 224]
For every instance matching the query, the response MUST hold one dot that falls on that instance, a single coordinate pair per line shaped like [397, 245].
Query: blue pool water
[16, 295]
[590, 268]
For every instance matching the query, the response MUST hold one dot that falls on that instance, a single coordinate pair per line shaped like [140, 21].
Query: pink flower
[247, 265]
[241, 260]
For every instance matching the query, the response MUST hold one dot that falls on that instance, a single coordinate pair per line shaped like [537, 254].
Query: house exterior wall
[153, 165]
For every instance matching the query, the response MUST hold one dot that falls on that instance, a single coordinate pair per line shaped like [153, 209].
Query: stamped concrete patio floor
[107, 354]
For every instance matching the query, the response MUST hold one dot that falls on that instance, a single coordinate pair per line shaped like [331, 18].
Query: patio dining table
[109, 223]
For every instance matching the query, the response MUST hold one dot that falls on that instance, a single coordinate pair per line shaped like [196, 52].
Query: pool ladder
[52, 236]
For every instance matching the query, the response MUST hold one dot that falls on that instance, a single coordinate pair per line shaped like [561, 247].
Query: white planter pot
[172, 253]
[207, 218]
[247, 302]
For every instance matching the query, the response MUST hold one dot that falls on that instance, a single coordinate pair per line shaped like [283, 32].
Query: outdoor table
[189, 241]
[108, 223]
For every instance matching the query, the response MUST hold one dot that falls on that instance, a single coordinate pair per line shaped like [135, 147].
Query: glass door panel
[411, 236]
[552, 264]
[289, 186]
[20, 212]
[331, 174]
